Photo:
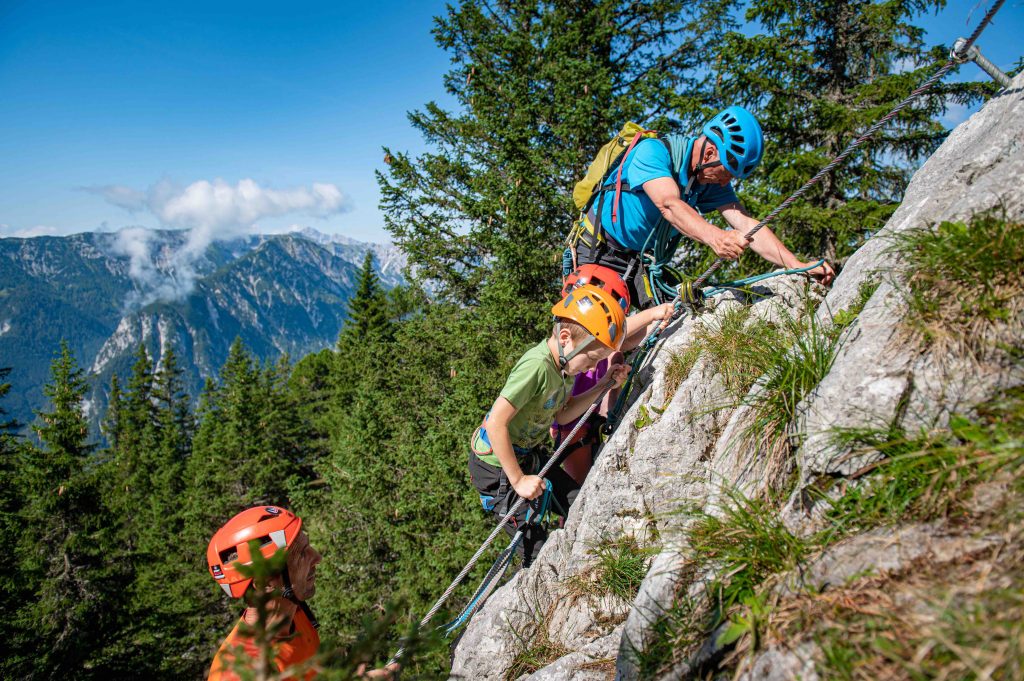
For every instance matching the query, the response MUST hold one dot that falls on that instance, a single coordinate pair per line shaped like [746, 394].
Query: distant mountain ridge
[284, 293]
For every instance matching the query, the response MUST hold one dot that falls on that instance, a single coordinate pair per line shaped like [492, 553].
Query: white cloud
[221, 206]
[956, 114]
[210, 211]
[132, 200]
[151, 284]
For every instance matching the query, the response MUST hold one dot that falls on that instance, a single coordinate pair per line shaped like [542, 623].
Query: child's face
[588, 359]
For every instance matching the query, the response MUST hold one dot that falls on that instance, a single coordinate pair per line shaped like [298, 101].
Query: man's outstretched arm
[768, 246]
[664, 192]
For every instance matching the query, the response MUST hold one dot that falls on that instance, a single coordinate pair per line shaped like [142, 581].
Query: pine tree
[175, 425]
[367, 309]
[162, 618]
[64, 539]
[132, 423]
[542, 86]
[15, 589]
[818, 76]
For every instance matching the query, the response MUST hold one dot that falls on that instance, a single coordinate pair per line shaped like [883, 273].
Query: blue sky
[221, 113]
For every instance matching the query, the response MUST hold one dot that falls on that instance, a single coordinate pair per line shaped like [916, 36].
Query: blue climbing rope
[500, 566]
[739, 284]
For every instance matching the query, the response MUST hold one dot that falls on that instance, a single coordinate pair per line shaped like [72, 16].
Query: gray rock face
[978, 168]
[676, 451]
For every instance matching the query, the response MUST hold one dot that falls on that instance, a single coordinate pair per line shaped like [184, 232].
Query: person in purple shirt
[578, 457]
[730, 147]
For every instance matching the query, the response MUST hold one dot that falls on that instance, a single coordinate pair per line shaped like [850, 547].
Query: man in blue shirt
[730, 146]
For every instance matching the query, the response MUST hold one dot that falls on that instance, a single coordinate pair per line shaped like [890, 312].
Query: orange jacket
[294, 650]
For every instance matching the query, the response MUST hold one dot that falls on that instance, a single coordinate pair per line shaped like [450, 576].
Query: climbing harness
[698, 286]
[537, 515]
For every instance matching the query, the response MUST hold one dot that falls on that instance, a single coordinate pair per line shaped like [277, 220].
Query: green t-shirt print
[538, 390]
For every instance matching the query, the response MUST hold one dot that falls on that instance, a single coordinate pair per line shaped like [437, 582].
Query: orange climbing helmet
[603, 277]
[596, 311]
[274, 527]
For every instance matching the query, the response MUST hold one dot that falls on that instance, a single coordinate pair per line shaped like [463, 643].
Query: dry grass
[964, 287]
[537, 650]
[963, 620]
[606, 665]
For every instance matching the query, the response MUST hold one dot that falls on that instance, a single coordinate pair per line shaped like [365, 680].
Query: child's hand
[664, 311]
[618, 374]
[529, 486]
[661, 316]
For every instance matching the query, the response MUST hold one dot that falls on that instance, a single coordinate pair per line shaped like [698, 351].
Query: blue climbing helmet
[737, 136]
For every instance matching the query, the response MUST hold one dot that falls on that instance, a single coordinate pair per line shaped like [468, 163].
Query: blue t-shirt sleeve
[649, 160]
[713, 196]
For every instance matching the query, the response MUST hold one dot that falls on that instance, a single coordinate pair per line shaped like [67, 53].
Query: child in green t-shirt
[507, 449]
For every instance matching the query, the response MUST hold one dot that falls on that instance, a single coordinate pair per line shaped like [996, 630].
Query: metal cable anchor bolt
[974, 54]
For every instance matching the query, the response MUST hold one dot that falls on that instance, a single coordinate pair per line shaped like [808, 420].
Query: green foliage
[14, 592]
[541, 86]
[963, 282]
[399, 511]
[644, 418]
[620, 566]
[69, 589]
[818, 75]
[149, 427]
[678, 368]
[931, 474]
[749, 621]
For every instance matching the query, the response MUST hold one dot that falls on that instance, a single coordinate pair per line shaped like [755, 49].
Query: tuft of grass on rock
[748, 543]
[964, 284]
[678, 368]
[931, 474]
[536, 651]
[621, 565]
[792, 370]
[740, 347]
